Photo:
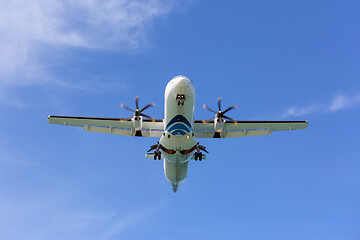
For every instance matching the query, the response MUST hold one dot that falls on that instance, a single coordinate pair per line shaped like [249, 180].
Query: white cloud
[29, 27]
[341, 101]
[297, 112]
[119, 224]
[54, 215]
[337, 103]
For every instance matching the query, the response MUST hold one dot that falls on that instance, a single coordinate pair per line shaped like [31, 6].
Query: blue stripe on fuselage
[178, 118]
[179, 126]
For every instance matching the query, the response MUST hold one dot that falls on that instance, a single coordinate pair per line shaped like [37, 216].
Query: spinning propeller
[220, 114]
[138, 112]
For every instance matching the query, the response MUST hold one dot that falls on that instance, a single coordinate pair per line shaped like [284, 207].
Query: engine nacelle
[137, 122]
[218, 124]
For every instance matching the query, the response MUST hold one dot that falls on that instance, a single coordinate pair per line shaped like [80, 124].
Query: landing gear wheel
[159, 155]
[178, 103]
[155, 155]
[196, 156]
[182, 103]
[200, 156]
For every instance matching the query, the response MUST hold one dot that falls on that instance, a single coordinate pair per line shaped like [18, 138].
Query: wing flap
[231, 129]
[119, 126]
[124, 132]
[90, 121]
[273, 125]
[232, 134]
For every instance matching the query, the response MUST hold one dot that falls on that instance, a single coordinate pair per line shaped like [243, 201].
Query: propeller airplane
[178, 130]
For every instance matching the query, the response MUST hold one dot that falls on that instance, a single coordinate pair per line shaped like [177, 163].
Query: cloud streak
[337, 103]
[28, 28]
[119, 224]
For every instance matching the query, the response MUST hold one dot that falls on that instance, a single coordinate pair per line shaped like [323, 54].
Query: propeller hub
[138, 112]
[221, 114]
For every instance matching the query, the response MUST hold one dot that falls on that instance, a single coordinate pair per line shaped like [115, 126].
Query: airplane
[178, 131]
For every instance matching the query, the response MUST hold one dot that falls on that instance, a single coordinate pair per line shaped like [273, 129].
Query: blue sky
[276, 60]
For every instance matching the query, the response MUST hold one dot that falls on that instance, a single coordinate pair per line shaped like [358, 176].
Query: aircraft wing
[119, 126]
[203, 129]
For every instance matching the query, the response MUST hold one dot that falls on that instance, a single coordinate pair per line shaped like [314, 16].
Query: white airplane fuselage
[178, 136]
[177, 131]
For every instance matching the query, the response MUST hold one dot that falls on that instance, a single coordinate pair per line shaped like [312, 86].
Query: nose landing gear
[180, 98]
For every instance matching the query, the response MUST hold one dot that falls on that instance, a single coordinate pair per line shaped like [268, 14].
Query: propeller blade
[220, 114]
[137, 102]
[209, 109]
[125, 107]
[219, 103]
[207, 121]
[147, 106]
[137, 112]
[228, 109]
[147, 116]
[125, 119]
[229, 118]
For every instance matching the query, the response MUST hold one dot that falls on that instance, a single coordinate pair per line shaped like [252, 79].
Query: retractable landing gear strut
[180, 98]
[198, 154]
[157, 153]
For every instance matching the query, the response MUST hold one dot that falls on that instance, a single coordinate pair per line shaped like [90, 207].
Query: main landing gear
[198, 156]
[157, 153]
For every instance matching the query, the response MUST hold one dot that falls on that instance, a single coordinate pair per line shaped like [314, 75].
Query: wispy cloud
[118, 223]
[337, 103]
[6, 161]
[43, 211]
[340, 102]
[297, 112]
[28, 28]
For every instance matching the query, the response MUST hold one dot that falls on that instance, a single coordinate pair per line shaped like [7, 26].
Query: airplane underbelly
[176, 173]
[178, 140]
[178, 137]
[178, 146]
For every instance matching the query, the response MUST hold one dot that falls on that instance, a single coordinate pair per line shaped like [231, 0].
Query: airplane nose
[181, 81]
